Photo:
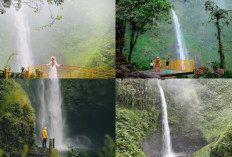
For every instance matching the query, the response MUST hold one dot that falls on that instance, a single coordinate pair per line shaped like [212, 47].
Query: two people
[53, 71]
[158, 64]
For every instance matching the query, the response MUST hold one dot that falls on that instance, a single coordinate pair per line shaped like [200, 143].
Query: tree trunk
[220, 46]
[120, 33]
[131, 45]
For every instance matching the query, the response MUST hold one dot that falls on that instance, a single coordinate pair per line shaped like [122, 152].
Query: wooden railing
[178, 65]
[65, 71]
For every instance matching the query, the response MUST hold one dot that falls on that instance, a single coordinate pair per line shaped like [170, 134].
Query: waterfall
[182, 51]
[24, 58]
[50, 111]
[167, 145]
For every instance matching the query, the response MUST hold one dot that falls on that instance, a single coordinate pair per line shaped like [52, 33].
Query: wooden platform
[173, 75]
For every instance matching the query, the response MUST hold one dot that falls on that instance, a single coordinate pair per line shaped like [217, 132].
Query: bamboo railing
[65, 71]
[178, 65]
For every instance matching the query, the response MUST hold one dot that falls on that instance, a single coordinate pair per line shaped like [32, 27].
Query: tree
[219, 17]
[139, 14]
[34, 4]
[120, 28]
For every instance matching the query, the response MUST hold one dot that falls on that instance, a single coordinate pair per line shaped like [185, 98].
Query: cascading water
[24, 57]
[182, 51]
[167, 145]
[50, 111]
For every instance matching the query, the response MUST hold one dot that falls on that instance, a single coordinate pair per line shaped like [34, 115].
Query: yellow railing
[178, 65]
[65, 71]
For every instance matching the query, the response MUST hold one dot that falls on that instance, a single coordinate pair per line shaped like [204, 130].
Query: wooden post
[193, 65]
[88, 72]
[68, 72]
[92, 72]
[50, 145]
[28, 73]
[6, 73]
[41, 71]
[53, 143]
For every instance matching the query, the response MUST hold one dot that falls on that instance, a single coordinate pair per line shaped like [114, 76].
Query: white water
[50, 111]
[167, 145]
[24, 57]
[182, 51]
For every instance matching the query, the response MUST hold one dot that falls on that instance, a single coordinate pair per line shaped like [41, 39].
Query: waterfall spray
[24, 58]
[167, 145]
[182, 51]
[51, 112]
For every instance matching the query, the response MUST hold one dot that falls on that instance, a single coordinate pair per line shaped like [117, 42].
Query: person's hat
[53, 57]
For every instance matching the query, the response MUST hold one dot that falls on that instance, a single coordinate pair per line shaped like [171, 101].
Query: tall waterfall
[50, 111]
[167, 145]
[24, 58]
[182, 51]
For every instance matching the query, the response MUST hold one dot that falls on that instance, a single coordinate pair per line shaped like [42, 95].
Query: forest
[199, 117]
[78, 33]
[88, 117]
[158, 37]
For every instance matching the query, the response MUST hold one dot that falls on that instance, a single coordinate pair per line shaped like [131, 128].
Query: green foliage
[3, 154]
[199, 38]
[105, 56]
[215, 64]
[140, 16]
[223, 147]
[12, 55]
[25, 151]
[136, 115]
[108, 150]
[139, 94]
[72, 152]
[17, 119]
[36, 5]
[227, 74]
[55, 153]
[132, 127]
[203, 152]
[219, 17]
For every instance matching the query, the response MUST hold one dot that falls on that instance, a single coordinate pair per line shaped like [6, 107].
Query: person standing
[167, 63]
[157, 65]
[44, 136]
[151, 65]
[53, 70]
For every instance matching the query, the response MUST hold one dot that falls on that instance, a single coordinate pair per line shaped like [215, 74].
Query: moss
[132, 127]
[223, 146]
[55, 153]
[203, 152]
[17, 118]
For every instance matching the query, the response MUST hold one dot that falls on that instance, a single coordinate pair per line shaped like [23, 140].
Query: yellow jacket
[44, 133]
[157, 64]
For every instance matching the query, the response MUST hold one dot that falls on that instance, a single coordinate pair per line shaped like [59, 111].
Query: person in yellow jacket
[157, 64]
[44, 136]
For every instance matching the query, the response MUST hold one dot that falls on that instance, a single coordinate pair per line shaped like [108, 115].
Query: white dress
[53, 71]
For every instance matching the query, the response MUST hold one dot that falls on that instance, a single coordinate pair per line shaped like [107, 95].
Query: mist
[73, 40]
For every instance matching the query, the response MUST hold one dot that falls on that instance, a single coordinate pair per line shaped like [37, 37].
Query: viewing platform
[176, 67]
[65, 71]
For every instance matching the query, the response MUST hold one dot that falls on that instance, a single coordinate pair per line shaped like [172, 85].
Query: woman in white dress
[53, 71]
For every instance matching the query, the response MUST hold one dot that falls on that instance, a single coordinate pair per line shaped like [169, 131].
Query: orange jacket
[44, 133]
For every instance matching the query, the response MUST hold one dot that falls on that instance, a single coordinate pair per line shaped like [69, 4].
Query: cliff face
[199, 112]
[17, 119]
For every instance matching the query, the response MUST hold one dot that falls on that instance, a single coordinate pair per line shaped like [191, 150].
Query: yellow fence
[178, 65]
[65, 71]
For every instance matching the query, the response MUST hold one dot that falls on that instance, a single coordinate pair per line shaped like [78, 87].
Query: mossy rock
[17, 118]
[223, 147]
